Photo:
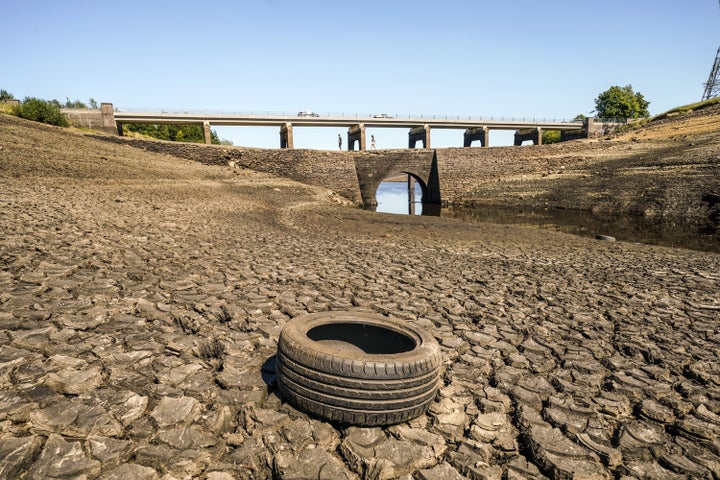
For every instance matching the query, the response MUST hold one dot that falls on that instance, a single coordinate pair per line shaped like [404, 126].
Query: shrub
[177, 133]
[43, 111]
[5, 95]
[550, 136]
[77, 104]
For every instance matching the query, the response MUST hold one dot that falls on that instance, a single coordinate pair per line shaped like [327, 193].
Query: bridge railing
[375, 116]
[614, 120]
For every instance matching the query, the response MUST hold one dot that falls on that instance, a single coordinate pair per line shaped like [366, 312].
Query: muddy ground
[141, 297]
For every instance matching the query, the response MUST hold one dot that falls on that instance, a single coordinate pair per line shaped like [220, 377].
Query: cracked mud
[141, 297]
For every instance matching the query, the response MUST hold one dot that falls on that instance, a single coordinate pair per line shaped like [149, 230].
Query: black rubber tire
[369, 389]
[357, 368]
[362, 418]
[605, 238]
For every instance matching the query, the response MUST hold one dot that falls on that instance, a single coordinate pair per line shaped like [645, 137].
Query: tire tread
[344, 387]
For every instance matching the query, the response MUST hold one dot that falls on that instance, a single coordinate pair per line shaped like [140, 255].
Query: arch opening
[404, 193]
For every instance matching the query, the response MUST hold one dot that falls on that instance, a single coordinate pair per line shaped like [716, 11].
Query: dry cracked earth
[141, 298]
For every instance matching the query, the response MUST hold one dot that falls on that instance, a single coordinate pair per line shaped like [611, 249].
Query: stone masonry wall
[92, 118]
[332, 170]
[460, 170]
[84, 118]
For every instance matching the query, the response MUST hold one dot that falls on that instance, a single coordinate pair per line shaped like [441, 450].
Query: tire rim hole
[362, 337]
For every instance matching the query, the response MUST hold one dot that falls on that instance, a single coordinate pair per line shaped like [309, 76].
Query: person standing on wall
[372, 142]
[339, 141]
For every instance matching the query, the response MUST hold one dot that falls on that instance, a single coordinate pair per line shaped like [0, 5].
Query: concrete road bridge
[476, 129]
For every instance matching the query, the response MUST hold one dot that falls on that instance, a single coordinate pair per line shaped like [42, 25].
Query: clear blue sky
[497, 58]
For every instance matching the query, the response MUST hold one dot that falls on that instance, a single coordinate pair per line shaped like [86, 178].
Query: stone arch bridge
[444, 175]
[372, 169]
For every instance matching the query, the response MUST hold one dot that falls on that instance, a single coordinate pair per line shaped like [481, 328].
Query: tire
[605, 238]
[357, 368]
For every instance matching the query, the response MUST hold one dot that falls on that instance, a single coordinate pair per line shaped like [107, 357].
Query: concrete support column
[107, 113]
[419, 134]
[479, 133]
[589, 126]
[533, 134]
[356, 133]
[207, 132]
[286, 136]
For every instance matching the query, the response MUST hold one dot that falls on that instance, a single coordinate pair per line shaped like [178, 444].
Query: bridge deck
[299, 121]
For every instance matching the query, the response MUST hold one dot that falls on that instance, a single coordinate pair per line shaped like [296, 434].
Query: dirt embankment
[666, 169]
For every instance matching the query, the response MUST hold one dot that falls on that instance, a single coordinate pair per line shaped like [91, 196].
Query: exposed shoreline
[667, 169]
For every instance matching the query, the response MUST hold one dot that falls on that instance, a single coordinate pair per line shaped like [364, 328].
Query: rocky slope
[666, 169]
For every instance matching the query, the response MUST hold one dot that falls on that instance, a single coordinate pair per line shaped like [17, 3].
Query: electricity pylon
[712, 87]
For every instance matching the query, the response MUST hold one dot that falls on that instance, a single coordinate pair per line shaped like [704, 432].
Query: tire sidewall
[423, 358]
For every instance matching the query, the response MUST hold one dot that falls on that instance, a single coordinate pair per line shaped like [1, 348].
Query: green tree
[77, 104]
[621, 102]
[41, 111]
[5, 95]
[550, 136]
[177, 133]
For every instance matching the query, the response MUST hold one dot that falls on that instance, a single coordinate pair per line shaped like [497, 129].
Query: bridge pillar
[590, 129]
[356, 133]
[107, 113]
[478, 133]
[421, 134]
[207, 133]
[411, 194]
[286, 136]
[534, 134]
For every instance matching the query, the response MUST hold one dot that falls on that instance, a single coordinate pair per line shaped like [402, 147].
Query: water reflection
[392, 197]
[627, 228]
[397, 197]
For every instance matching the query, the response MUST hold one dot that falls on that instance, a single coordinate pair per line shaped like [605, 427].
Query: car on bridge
[382, 115]
[307, 113]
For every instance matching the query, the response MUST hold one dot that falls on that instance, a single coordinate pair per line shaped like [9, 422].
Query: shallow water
[392, 197]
